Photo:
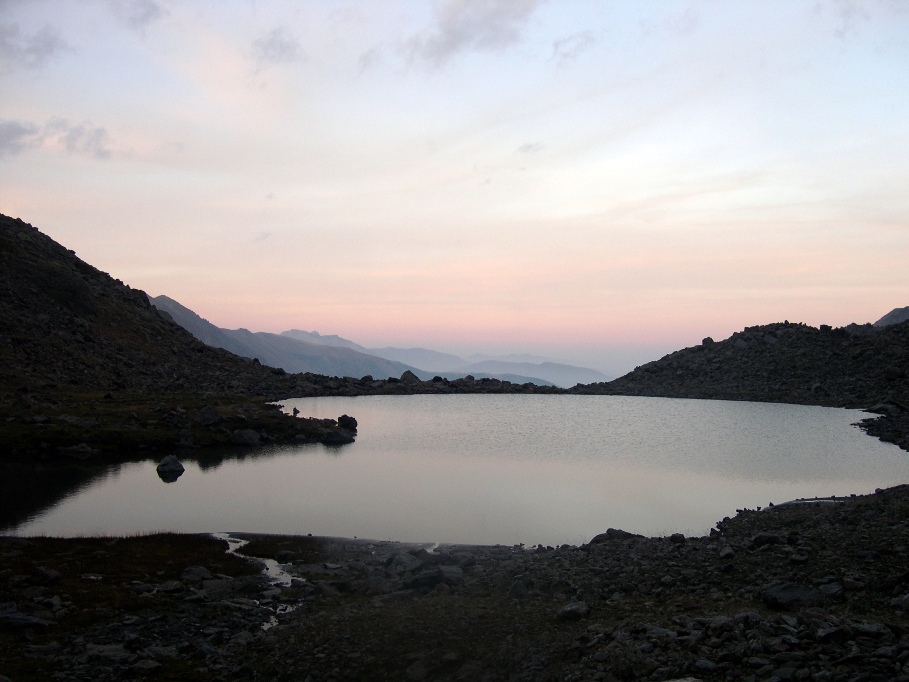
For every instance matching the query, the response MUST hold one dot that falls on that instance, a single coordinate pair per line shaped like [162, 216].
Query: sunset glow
[598, 182]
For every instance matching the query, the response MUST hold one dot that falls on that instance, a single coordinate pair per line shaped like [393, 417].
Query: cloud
[80, 138]
[137, 14]
[529, 148]
[462, 25]
[372, 57]
[571, 47]
[18, 50]
[276, 47]
[15, 136]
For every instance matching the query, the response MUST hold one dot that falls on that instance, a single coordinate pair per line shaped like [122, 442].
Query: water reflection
[499, 469]
[28, 491]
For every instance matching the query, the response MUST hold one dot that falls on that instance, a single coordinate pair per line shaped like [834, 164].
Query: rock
[170, 469]
[207, 416]
[573, 611]
[14, 620]
[613, 534]
[517, 590]
[347, 423]
[762, 539]
[116, 653]
[451, 575]
[703, 665]
[171, 586]
[410, 379]
[901, 602]
[195, 574]
[788, 596]
[80, 451]
[145, 667]
[244, 437]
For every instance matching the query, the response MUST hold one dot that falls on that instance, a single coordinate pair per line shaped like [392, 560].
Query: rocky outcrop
[782, 362]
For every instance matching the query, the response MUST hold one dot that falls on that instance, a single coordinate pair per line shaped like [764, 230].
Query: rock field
[811, 591]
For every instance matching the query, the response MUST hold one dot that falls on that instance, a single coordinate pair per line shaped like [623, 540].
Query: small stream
[272, 570]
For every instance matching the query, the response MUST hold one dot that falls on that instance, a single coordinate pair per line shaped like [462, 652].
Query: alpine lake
[489, 469]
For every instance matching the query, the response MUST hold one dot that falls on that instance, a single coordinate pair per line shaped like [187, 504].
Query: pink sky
[574, 179]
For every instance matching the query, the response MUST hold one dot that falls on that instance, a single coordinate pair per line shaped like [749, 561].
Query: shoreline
[798, 591]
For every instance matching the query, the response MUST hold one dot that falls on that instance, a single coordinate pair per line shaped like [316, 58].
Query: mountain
[552, 372]
[424, 358]
[63, 323]
[508, 357]
[521, 368]
[895, 316]
[326, 340]
[781, 362]
[281, 350]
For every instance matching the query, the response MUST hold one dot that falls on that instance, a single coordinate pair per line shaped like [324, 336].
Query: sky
[596, 182]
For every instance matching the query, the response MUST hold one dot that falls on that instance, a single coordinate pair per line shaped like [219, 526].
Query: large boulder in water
[347, 423]
[170, 469]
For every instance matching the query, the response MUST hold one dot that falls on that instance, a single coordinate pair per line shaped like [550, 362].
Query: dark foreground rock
[812, 591]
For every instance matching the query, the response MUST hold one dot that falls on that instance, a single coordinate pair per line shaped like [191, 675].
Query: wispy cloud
[138, 14]
[16, 136]
[529, 148]
[73, 138]
[372, 57]
[22, 51]
[276, 47]
[567, 49]
[462, 25]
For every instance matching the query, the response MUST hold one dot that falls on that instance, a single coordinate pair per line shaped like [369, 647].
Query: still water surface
[501, 469]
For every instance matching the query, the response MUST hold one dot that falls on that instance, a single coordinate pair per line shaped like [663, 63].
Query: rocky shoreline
[811, 591]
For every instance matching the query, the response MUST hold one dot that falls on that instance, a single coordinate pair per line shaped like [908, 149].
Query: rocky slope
[815, 591]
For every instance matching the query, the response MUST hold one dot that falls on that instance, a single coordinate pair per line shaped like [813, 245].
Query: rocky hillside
[782, 362]
[65, 324]
[89, 367]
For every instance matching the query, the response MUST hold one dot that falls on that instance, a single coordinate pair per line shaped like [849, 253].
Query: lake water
[500, 469]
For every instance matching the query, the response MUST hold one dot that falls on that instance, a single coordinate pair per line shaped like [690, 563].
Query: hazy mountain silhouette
[430, 360]
[329, 340]
[277, 350]
[558, 374]
[517, 368]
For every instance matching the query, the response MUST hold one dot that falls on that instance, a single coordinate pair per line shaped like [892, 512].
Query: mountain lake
[493, 469]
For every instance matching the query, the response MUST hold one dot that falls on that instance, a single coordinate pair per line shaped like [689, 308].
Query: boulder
[244, 437]
[195, 574]
[347, 423]
[788, 596]
[573, 611]
[410, 378]
[207, 416]
[613, 534]
[170, 469]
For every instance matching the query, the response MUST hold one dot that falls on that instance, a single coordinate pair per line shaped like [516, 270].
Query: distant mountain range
[286, 352]
[307, 351]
